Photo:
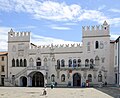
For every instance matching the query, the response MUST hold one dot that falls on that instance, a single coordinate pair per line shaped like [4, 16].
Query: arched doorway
[76, 79]
[23, 81]
[38, 80]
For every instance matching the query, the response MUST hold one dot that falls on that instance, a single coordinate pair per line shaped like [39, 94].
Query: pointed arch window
[79, 62]
[58, 64]
[13, 62]
[90, 78]
[52, 78]
[45, 61]
[91, 63]
[74, 63]
[25, 62]
[38, 62]
[21, 63]
[17, 63]
[97, 60]
[96, 45]
[62, 63]
[70, 63]
[62, 78]
[86, 62]
[99, 78]
[31, 62]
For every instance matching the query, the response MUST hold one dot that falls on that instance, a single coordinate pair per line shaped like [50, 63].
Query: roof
[3, 53]
[117, 39]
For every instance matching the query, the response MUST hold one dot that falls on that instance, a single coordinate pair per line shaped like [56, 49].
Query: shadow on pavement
[112, 91]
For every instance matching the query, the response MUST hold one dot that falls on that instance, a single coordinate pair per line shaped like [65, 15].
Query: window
[86, 62]
[90, 78]
[45, 61]
[17, 63]
[99, 78]
[74, 63]
[62, 78]
[21, 63]
[52, 78]
[58, 64]
[2, 58]
[31, 62]
[38, 62]
[97, 60]
[70, 63]
[62, 63]
[2, 69]
[79, 62]
[96, 45]
[13, 62]
[25, 62]
[91, 61]
[88, 46]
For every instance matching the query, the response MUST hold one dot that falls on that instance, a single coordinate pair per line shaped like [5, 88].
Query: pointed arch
[89, 77]
[58, 64]
[38, 62]
[25, 62]
[62, 78]
[70, 63]
[13, 62]
[62, 63]
[17, 63]
[31, 62]
[96, 45]
[97, 60]
[21, 63]
[52, 78]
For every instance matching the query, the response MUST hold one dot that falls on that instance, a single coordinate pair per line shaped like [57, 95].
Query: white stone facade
[64, 65]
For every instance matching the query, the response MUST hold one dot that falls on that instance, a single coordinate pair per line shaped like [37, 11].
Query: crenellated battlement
[58, 46]
[98, 30]
[18, 36]
[92, 28]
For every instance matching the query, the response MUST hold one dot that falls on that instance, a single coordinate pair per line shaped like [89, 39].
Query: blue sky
[56, 21]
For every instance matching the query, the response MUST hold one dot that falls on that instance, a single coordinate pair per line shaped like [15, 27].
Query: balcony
[80, 67]
[37, 68]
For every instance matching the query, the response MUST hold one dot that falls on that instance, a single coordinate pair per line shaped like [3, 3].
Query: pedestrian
[52, 85]
[44, 92]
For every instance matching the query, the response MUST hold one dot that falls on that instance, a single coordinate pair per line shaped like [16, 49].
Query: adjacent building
[3, 67]
[117, 60]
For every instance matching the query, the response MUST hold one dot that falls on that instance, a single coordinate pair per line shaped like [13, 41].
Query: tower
[18, 45]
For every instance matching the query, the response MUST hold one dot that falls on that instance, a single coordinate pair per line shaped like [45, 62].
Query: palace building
[65, 65]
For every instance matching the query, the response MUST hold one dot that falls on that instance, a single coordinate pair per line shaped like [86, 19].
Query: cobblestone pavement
[112, 91]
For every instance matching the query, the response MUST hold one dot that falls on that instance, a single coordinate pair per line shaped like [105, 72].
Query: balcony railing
[37, 68]
[80, 67]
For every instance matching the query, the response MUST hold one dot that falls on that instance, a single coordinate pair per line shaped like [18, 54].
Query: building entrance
[38, 80]
[76, 79]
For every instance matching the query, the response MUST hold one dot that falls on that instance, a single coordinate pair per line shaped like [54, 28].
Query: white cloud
[40, 40]
[60, 28]
[114, 36]
[55, 11]
[3, 38]
[114, 10]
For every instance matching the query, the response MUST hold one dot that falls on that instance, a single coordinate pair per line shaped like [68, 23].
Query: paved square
[31, 92]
